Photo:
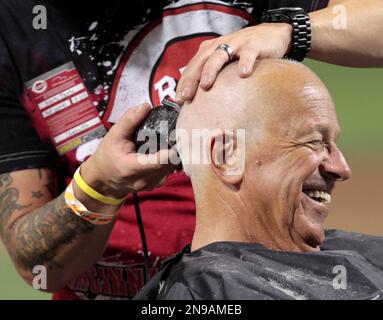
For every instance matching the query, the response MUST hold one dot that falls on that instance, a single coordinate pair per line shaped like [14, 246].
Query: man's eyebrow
[324, 130]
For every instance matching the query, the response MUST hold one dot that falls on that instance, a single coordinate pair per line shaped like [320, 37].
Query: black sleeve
[20, 146]
[307, 5]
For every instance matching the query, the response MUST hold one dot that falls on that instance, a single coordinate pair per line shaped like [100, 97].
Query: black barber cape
[349, 266]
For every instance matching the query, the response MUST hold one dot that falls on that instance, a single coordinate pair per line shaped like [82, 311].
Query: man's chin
[308, 235]
[309, 222]
[314, 238]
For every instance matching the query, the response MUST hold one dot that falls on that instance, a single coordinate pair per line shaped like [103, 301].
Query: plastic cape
[349, 266]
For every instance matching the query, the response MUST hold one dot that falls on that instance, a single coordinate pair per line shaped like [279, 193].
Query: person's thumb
[132, 119]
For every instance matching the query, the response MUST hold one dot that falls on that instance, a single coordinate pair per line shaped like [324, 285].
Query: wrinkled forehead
[315, 105]
[299, 105]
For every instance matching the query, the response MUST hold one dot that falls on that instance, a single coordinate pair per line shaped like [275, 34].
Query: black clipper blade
[155, 132]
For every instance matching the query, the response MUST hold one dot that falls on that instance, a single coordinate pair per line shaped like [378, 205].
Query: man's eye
[327, 146]
[319, 144]
[314, 145]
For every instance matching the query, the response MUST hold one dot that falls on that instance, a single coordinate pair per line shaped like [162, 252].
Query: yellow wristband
[93, 193]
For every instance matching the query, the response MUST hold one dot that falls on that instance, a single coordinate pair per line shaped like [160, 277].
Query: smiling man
[260, 231]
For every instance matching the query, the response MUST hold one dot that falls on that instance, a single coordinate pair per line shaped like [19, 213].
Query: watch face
[286, 10]
[285, 14]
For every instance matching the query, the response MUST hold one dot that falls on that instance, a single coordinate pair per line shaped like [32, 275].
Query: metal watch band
[301, 33]
[301, 37]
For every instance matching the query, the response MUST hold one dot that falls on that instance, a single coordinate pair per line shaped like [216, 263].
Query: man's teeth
[320, 196]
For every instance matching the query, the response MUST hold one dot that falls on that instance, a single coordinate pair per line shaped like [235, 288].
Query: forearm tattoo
[36, 238]
[9, 198]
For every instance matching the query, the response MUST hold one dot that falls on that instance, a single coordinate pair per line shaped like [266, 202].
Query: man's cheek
[305, 164]
[281, 179]
[301, 166]
[298, 166]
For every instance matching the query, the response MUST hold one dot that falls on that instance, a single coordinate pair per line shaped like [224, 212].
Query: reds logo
[39, 86]
[170, 66]
[157, 54]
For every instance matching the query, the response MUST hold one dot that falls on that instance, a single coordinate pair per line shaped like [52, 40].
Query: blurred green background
[358, 96]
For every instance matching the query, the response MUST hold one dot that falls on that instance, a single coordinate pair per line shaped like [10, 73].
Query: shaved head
[291, 162]
[275, 82]
[269, 96]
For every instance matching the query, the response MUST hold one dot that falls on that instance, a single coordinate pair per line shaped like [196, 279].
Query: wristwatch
[301, 35]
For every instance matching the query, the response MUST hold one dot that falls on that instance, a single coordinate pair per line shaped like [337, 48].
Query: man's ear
[227, 150]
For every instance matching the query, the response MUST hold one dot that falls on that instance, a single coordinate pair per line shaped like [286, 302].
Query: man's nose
[336, 166]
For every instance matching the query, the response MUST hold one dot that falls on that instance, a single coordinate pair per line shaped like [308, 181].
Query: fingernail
[245, 70]
[186, 93]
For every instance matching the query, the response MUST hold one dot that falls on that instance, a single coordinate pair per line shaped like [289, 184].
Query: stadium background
[358, 96]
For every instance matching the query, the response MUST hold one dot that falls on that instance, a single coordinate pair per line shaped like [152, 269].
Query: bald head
[285, 170]
[276, 91]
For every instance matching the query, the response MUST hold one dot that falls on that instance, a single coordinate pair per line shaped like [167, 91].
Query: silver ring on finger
[229, 50]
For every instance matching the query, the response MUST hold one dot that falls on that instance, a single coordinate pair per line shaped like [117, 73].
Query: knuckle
[191, 81]
[204, 45]
[248, 54]
[187, 77]
[184, 75]
[121, 173]
[213, 63]
[140, 185]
